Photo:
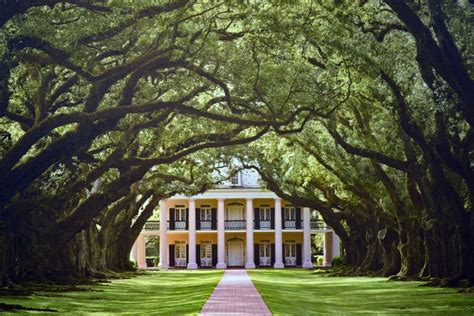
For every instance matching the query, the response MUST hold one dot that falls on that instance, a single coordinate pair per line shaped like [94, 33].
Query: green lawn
[302, 292]
[164, 293]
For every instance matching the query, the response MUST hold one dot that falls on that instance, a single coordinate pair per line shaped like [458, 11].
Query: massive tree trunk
[389, 240]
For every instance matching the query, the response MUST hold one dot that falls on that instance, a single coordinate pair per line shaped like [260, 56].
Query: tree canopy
[362, 110]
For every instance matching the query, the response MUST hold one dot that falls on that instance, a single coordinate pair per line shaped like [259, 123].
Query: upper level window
[265, 214]
[205, 214]
[180, 214]
[290, 213]
[235, 179]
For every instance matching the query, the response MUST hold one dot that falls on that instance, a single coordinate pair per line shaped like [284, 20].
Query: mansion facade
[235, 225]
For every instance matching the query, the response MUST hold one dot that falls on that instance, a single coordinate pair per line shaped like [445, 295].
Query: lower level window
[180, 255]
[206, 255]
[290, 254]
[265, 254]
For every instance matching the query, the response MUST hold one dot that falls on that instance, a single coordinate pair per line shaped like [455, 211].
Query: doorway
[235, 252]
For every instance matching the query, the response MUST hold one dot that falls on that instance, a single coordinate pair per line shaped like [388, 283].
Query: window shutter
[213, 220]
[257, 218]
[172, 211]
[198, 219]
[272, 255]
[198, 255]
[256, 254]
[298, 217]
[272, 218]
[214, 254]
[299, 255]
[283, 212]
[187, 218]
[171, 258]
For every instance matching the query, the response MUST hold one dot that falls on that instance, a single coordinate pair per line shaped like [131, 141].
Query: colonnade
[249, 217]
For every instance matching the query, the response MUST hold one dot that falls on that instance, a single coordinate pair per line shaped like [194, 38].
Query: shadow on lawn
[166, 293]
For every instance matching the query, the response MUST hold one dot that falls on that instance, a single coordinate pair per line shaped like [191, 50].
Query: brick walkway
[235, 295]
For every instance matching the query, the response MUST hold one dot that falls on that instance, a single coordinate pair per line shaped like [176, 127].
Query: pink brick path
[235, 295]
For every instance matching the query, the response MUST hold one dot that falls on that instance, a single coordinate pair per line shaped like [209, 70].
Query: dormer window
[235, 179]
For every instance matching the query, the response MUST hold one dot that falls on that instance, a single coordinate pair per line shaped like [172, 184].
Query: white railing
[206, 225]
[235, 224]
[265, 224]
[152, 225]
[179, 225]
[290, 225]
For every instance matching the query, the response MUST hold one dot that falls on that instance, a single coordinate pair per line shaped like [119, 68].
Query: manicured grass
[164, 293]
[302, 292]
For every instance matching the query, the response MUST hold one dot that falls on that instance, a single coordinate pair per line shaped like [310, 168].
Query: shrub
[337, 261]
[319, 260]
[150, 261]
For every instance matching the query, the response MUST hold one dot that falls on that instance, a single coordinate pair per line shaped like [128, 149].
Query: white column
[307, 264]
[327, 249]
[141, 261]
[192, 235]
[336, 251]
[250, 264]
[133, 252]
[220, 235]
[163, 236]
[278, 236]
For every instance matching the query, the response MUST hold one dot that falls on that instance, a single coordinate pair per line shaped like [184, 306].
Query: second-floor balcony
[235, 224]
[154, 225]
[264, 224]
[178, 225]
[292, 224]
[205, 225]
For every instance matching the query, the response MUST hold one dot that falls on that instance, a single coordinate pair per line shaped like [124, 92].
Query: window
[265, 254]
[206, 253]
[290, 254]
[205, 214]
[265, 213]
[180, 253]
[180, 214]
[265, 250]
[290, 250]
[235, 179]
[290, 213]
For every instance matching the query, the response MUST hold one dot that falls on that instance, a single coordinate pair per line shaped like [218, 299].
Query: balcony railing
[315, 224]
[152, 225]
[181, 225]
[235, 224]
[265, 224]
[206, 225]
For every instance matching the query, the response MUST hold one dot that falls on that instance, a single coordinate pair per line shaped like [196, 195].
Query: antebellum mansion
[236, 225]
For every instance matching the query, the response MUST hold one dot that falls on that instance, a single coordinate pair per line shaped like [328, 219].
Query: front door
[235, 253]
